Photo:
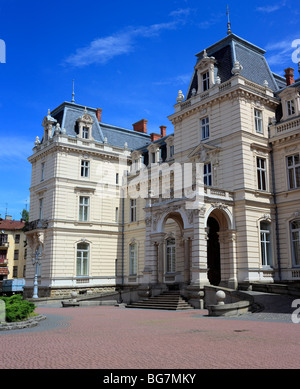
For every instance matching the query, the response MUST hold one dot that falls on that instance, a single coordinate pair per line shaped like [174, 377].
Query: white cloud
[281, 52]
[102, 50]
[13, 149]
[180, 79]
[271, 8]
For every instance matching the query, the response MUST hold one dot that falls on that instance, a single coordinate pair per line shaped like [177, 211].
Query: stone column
[232, 282]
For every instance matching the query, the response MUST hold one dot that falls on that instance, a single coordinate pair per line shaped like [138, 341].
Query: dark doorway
[213, 252]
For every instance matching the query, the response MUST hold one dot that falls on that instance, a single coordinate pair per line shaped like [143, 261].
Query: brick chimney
[289, 76]
[154, 137]
[163, 131]
[99, 113]
[141, 126]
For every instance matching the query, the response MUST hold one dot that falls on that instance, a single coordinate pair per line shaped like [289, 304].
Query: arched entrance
[213, 252]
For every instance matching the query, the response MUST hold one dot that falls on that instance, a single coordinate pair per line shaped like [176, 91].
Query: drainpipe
[276, 211]
[123, 213]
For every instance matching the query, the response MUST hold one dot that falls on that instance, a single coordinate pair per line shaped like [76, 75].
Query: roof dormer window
[85, 133]
[205, 81]
[84, 125]
[290, 107]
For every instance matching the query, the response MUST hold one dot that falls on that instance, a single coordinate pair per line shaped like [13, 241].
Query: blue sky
[128, 58]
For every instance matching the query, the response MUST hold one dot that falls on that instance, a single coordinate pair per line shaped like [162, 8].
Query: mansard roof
[233, 48]
[67, 115]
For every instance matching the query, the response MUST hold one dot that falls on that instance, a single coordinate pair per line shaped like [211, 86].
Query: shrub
[16, 308]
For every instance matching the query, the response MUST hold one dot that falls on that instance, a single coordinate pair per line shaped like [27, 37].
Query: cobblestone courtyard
[119, 338]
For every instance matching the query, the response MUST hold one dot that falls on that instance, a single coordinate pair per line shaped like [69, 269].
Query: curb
[32, 322]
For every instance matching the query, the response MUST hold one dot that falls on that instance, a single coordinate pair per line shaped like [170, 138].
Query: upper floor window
[85, 168]
[133, 210]
[293, 166]
[16, 255]
[290, 107]
[41, 209]
[205, 128]
[295, 231]
[171, 151]
[85, 133]
[3, 238]
[207, 174]
[42, 171]
[17, 238]
[261, 174]
[205, 81]
[258, 121]
[84, 205]
[265, 243]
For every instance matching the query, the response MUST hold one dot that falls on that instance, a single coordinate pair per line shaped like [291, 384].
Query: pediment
[200, 152]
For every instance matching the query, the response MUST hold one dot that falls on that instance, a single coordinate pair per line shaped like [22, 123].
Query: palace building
[216, 202]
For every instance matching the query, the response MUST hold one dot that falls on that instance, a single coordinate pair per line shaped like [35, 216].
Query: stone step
[170, 300]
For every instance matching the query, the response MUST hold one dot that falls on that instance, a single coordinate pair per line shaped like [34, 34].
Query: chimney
[154, 137]
[8, 217]
[99, 113]
[141, 126]
[163, 131]
[289, 76]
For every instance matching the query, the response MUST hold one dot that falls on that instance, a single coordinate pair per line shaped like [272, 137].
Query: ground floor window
[171, 251]
[133, 259]
[295, 230]
[82, 259]
[265, 243]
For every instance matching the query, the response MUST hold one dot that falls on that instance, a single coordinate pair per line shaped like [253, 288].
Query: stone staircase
[170, 300]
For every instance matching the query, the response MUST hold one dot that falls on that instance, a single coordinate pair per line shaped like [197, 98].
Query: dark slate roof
[233, 48]
[117, 136]
[68, 113]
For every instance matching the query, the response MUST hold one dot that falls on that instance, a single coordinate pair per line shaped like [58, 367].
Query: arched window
[265, 243]
[170, 254]
[295, 232]
[82, 259]
[132, 259]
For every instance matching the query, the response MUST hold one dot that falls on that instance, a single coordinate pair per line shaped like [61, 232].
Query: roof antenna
[73, 94]
[228, 23]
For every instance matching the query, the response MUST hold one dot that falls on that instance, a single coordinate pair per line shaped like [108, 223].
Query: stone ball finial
[180, 97]
[220, 296]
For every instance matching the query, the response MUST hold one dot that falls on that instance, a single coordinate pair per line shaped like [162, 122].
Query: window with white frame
[258, 121]
[85, 132]
[293, 167]
[84, 205]
[85, 168]
[205, 81]
[132, 210]
[205, 128]
[132, 259]
[265, 243]
[82, 259]
[41, 209]
[290, 107]
[171, 151]
[207, 174]
[295, 232]
[171, 255]
[261, 174]
[42, 171]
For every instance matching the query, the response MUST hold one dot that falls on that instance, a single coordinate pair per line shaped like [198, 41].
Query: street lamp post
[35, 261]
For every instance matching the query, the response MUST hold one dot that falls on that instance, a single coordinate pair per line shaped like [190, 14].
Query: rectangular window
[16, 255]
[17, 238]
[171, 258]
[3, 254]
[85, 169]
[205, 128]
[205, 81]
[261, 174]
[290, 107]
[42, 171]
[207, 175]
[117, 215]
[117, 178]
[295, 230]
[3, 238]
[293, 166]
[41, 209]
[85, 133]
[133, 210]
[265, 243]
[258, 121]
[133, 259]
[171, 151]
[152, 157]
[84, 203]
[15, 272]
[82, 259]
